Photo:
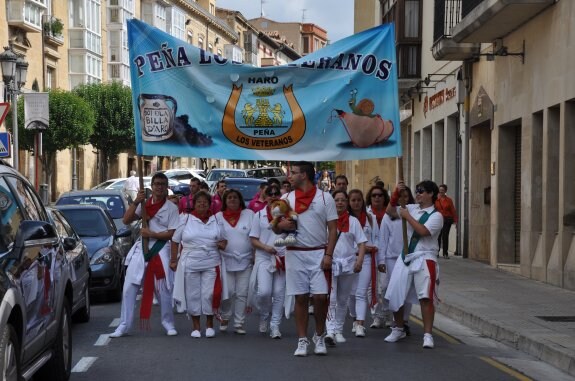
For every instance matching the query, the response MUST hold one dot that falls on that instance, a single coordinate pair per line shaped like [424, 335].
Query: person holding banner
[308, 263]
[198, 285]
[268, 280]
[151, 268]
[235, 222]
[418, 267]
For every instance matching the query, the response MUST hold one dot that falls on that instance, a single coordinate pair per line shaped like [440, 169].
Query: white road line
[102, 340]
[115, 323]
[84, 364]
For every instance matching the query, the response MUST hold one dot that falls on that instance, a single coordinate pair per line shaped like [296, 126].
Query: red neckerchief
[269, 215]
[152, 208]
[343, 222]
[232, 216]
[362, 218]
[304, 199]
[204, 217]
[378, 215]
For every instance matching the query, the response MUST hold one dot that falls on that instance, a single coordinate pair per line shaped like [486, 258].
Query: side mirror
[32, 233]
[70, 243]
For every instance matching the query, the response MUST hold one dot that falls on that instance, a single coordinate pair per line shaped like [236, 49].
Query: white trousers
[361, 292]
[342, 286]
[199, 286]
[129, 295]
[271, 294]
[238, 284]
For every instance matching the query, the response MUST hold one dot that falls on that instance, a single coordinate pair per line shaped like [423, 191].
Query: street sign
[5, 144]
[4, 107]
[36, 113]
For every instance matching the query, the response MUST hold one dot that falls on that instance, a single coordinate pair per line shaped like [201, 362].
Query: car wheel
[83, 314]
[59, 366]
[9, 350]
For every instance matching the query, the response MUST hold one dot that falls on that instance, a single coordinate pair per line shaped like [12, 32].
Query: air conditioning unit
[113, 57]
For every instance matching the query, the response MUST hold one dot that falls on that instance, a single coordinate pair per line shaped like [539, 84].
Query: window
[50, 78]
[177, 22]
[190, 37]
[200, 42]
[412, 19]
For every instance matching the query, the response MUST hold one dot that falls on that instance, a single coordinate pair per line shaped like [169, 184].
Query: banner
[338, 103]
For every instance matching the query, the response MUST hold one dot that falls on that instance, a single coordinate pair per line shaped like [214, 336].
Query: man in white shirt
[132, 185]
[418, 267]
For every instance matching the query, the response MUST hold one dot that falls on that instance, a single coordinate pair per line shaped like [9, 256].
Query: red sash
[152, 208]
[343, 222]
[232, 216]
[378, 215]
[304, 199]
[269, 215]
[362, 218]
[217, 296]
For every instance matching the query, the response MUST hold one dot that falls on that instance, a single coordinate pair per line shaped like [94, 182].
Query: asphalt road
[459, 354]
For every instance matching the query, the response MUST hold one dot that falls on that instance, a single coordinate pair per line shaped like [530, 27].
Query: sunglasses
[274, 194]
[420, 190]
[377, 195]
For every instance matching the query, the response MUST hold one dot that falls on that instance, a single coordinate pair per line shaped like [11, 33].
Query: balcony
[53, 30]
[487, 20]
[447, 15]
[25, 14]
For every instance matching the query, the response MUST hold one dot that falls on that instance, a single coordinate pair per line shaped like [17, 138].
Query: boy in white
[161, 226]
[417, 267]
[347, 263]
[307, 261]
[268, 280]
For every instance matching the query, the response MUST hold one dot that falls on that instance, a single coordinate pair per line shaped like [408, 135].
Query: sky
[337, 20]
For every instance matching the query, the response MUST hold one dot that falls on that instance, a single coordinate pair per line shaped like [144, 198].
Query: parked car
[267, 173]
[116, 202]
[217, 174]
[117, 183]
[248, 187]
[79, 261]
[106, 250]
[184, 175]
[35, 286]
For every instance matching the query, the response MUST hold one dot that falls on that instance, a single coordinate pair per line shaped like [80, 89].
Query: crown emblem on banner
[263, 91]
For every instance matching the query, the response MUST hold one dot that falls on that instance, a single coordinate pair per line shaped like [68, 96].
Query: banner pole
[145, 240]
[402, 203]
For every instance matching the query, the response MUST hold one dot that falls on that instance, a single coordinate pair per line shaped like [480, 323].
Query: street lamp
[14, 72]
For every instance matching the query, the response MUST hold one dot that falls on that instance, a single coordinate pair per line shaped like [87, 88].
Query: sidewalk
[506, 307]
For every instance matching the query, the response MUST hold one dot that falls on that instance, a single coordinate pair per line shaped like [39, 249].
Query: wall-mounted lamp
[428, 80]
[188, 21]
[217, 40]
[502, 51]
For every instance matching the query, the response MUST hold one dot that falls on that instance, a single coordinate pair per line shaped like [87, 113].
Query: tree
[70, 125]
[114, 126]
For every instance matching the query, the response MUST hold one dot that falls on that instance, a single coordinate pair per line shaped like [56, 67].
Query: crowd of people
[213, 256]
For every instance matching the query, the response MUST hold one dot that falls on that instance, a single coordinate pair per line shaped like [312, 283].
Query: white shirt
[312, 224]
[199, 242]
[132, 183]
[434, 224]
[238, 252]
[262, 230]
[344, 253]
[391, 239]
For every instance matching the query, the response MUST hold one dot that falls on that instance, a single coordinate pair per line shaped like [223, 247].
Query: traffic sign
[5, 144]
[4, 107]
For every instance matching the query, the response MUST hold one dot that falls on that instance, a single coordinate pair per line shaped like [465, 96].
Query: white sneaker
[171, 332]
[395, 335]
[196, 334]
[224, 325]
[240, 330]
[354, 326]
[210, 332]
[302, 344]
[275, 332]
[117, 333]
[319, 345]
[263, 326]
[339, 338]
[428, 341]
[377, 323]
[360, 331]
[330, 339]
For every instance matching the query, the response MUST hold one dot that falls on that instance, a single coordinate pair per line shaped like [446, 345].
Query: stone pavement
[508, 308]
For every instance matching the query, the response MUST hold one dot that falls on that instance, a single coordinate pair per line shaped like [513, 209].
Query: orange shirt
[446, 208]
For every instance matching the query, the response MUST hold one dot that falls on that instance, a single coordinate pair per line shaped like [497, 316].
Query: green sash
[415, 237]
[154, 250]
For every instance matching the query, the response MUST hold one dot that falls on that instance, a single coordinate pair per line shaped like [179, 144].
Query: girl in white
[268, 280]
[236, 221]
[347, 262]
[197, 285]
[367, 279]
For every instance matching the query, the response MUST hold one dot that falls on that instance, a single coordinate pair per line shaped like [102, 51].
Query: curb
[547, 352]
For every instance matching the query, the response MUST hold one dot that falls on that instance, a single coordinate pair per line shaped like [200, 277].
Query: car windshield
[218, 175]
[248, 191]
[87, 222]
[113, 203]
[104, 184]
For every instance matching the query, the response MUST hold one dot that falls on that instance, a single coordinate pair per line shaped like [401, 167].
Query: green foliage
[114, 126]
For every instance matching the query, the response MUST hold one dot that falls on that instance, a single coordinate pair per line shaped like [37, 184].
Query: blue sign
[337, 103]
[5, 144]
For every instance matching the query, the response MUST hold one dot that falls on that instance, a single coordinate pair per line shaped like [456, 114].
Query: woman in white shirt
[236, 221]
[198, 281]
[346, 264]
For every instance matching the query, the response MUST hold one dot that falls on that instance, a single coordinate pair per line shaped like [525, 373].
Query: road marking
[450, 339]
[504, 368]
[115, 323]
[84, 364]
[102, 340]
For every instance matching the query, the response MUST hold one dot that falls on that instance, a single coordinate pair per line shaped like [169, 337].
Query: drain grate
[558, 319]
